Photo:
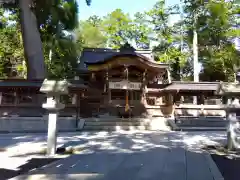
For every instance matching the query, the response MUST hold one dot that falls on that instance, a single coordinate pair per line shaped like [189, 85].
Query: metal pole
[195, 54]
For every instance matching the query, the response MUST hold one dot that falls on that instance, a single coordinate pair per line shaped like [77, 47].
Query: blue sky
[103, 7]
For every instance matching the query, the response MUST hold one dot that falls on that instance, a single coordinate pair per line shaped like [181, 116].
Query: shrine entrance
[125, 79]
[126, 95]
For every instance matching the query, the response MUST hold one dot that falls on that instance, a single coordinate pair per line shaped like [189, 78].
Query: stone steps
[113, 123]
[125, 124]
[114, 128]
[202, 128]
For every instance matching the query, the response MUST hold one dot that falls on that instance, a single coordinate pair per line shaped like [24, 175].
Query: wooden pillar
[0, 98]
[93, 77]
[109, 96]
[106, 82]
[127, 92]
[107, 86]
[144, 82]
[74, 98]
[15, 97]
[202, 98]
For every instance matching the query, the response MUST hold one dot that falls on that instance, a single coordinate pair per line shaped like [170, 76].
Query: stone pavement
[139, 155]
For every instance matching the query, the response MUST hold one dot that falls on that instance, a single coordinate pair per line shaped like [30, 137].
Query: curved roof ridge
[121, 54]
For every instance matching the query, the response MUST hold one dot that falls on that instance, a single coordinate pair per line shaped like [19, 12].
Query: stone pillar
[52, 133]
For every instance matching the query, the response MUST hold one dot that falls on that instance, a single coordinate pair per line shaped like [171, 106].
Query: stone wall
[33, 111]
[34, 124]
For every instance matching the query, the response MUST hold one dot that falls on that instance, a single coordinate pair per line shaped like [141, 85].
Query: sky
[103, 7]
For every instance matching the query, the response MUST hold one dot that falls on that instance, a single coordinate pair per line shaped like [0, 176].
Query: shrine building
[129, 82]
[120, 84]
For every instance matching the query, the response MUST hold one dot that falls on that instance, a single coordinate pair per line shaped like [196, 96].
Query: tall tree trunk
[31, 41]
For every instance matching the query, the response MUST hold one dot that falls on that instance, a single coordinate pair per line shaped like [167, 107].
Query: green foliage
[141, 31]
[11, 48]
[217, 27]
[90, 33]
[59, 18]
[64, 60]
[168, 38]
[117, 27]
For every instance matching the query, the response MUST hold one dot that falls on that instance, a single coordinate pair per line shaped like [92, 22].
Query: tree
[141, 31]
[90, 33]
[30, 33]
[215, 26]
[167, 38]
[117, 27]
[11, 48]
[64, 59]
[29, 10]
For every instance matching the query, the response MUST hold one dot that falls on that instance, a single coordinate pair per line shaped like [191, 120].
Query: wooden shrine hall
[120, 83]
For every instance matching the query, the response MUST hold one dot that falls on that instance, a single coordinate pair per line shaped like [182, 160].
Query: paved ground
[121, 155]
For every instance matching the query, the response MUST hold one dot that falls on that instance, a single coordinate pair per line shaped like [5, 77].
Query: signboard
[125, 85]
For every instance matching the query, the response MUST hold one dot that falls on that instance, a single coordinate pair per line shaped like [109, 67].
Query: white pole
[195, 55]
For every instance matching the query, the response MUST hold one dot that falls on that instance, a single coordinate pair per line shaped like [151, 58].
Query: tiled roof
[100, 55]
[193, 86]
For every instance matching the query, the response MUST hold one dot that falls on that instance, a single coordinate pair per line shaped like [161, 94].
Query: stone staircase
[115, 124]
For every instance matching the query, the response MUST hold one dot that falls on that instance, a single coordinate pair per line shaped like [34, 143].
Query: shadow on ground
[132, 155]
[31, 164]
[156, 163]
[229, 167]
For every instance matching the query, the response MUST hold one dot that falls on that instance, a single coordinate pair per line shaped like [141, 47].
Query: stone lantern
[232, 92]
[53, 90]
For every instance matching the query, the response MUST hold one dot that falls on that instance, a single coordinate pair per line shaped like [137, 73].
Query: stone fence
[200, 110]
[35, 124]
[33, 118]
